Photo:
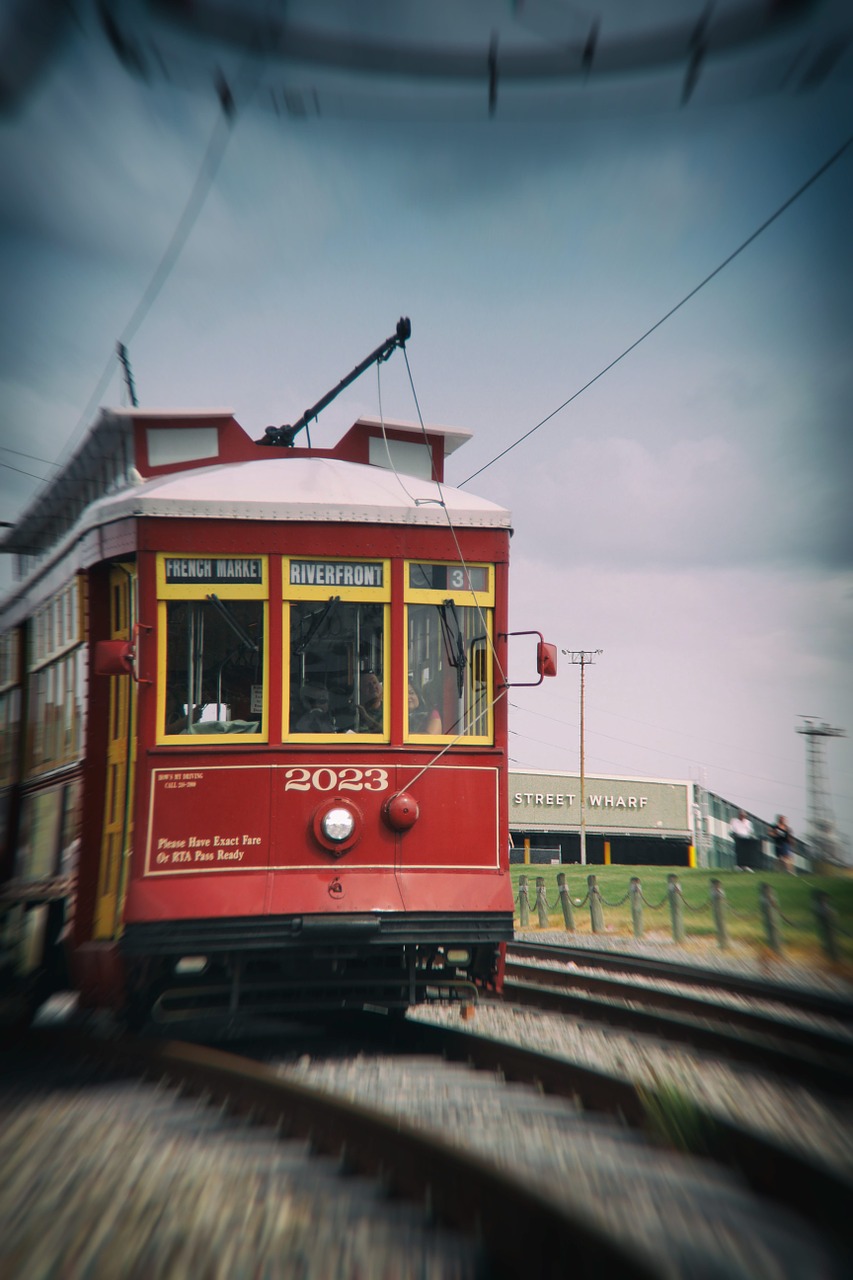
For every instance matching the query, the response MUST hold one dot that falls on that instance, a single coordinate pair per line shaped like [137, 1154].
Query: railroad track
[808, 1001]
[467, 1190]
[462, 1190]
[811, 1056]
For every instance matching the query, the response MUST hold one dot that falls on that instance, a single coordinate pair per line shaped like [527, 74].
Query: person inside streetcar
[422, 719]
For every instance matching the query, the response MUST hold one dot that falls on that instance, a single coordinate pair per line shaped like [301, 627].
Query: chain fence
[823, 923]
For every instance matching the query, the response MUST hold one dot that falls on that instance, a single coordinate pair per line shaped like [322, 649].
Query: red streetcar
[255, 739]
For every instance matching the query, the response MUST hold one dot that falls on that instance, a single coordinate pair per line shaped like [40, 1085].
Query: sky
[688, 514]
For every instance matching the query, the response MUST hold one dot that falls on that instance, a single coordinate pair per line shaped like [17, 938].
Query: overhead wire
[673, 755]
[439, 501]
[21, 472]
[726, 746]
[800, 191]
[207, 172]
[19, 453]
[452, 529]
[818, 173]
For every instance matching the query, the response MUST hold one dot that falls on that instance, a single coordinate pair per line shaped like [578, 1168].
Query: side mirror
[546, 658]
[113, 658]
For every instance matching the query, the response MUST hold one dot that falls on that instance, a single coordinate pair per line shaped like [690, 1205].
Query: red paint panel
[458, 824]
[208, 821]
[195, 897]
[298, 791]
[336, 889]
[239, 840]
[462, 891]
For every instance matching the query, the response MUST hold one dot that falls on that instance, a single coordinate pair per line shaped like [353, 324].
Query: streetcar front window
[337, 662]
[214, 666]
[449, 624]
[448, 670]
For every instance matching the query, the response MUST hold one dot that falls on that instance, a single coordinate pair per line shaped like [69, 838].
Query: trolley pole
[582, 658]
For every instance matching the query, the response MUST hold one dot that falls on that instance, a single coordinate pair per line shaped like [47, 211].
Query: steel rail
[704, 1007]
[805, 1066]
[790, 1177]
[810, 1001]
[462, 1190]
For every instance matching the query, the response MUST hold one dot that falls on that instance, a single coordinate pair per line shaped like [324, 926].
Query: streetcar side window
[213, 649]
[56, 681]
[336, 639]
[449, 611]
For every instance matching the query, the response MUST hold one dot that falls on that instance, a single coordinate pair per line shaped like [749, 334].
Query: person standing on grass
[741, 827]
[781, 835]
[741, 831]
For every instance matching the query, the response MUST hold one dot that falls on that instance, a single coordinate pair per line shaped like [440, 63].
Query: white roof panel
[302, 489]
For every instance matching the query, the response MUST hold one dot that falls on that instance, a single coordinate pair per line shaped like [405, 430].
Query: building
[629, 820]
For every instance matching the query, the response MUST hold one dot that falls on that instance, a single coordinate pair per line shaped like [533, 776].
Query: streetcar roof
[324, 489]
[201, 463]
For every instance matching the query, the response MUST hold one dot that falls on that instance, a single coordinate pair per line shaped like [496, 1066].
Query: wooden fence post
[825, 918]
[718, 911]
[523, 903]
[636, 892]
[596, 914]
[676, 907]
[541, 902]
[566, 902]
[770, 915]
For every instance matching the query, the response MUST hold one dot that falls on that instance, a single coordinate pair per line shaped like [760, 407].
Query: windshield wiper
[454, 642]
[317, 620]
[225, 612]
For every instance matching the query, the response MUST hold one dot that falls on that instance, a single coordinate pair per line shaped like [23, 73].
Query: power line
[648, 724]
[21, 472]
[690, 760]
[195, 201]
[20, 454]
[767, 222]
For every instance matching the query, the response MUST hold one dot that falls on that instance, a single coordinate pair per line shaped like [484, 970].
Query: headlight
[337, 824]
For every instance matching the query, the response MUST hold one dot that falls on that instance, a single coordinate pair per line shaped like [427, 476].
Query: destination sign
[213, 570]
[336, 573]
[449, 577]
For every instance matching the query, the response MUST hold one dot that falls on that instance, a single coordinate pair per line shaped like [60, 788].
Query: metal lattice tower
[823, 837]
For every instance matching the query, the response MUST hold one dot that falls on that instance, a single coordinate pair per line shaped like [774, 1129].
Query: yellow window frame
[190, 590]
[465, 597]
[292, 592]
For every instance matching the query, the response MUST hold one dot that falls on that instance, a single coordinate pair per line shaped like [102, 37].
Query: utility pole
[582, 658]
[128, 374]
[822, 834]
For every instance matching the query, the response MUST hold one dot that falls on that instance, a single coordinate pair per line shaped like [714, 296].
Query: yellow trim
[459, 595]
[117, 830]
[183, 739]
[298, 591]
[286, 734]
[190, 590]
[484, 739]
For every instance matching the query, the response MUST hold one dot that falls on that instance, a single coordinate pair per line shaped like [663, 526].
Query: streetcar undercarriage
[193, 969]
